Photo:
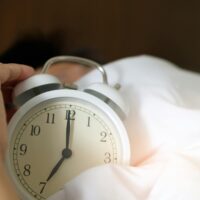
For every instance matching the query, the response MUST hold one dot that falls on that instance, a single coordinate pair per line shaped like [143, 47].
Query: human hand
[10, 75]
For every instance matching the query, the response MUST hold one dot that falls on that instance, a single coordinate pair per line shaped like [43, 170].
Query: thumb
[12, 72]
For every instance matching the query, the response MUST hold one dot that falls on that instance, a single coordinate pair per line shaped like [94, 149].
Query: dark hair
[30, 50]
[36, 50]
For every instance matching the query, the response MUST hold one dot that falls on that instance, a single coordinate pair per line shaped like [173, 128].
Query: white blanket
[164, 130]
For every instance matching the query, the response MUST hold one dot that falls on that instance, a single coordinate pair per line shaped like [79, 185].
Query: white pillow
[164, 131]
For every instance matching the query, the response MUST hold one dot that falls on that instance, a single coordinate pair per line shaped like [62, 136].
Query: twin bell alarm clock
[59, 131]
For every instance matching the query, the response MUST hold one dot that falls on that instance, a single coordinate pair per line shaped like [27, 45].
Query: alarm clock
[59, 131]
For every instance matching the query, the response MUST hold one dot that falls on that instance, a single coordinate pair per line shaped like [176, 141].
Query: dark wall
[113, 28]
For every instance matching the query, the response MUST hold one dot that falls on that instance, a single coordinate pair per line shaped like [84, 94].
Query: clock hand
[68, 130]
[66, 153]
[55, 169]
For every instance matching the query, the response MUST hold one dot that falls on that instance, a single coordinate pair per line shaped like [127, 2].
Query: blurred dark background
[108, 29]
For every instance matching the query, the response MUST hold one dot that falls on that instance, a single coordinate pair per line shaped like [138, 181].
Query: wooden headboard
[114, 28]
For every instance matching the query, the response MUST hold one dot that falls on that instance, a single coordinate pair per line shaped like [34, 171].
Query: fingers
[12, 72]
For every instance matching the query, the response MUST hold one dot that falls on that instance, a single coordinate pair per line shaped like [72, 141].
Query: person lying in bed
[163, 127]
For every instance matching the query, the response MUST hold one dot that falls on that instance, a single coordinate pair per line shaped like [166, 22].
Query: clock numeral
[35, 130]
[72, 114]
[50, 118]
[23, 149]
[27, 170]
[103, 135]
[43, 184]
[88, 122]
[107, 158]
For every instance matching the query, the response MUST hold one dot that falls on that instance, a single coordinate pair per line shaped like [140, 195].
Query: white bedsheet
[164, 130]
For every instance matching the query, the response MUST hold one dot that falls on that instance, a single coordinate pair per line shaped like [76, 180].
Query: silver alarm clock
[58, 131]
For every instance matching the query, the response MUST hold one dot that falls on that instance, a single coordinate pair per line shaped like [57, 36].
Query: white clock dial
[57, 140]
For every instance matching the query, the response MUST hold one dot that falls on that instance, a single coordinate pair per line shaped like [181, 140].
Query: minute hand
[68, 130]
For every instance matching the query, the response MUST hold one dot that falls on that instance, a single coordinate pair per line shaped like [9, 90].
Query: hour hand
[66, 153]
[55, 169]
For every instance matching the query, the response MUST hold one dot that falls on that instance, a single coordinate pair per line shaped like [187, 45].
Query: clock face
[57, 140]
